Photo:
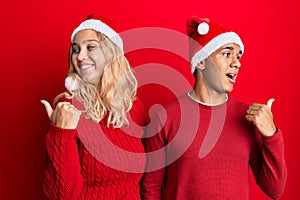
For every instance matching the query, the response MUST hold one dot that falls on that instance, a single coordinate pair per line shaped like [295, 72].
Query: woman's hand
[65, 115]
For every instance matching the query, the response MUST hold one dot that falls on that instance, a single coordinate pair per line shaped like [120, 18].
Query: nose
[235, 62]
[82, 55]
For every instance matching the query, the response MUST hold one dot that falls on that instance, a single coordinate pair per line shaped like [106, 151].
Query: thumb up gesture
[261, 116]
[65, 115]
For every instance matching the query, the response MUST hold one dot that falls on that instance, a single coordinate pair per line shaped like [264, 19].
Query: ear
[201, 65]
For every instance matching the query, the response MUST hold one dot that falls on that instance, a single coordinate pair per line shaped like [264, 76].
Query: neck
[202, 94]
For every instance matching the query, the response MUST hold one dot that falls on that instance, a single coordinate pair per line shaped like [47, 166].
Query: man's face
[221, 68]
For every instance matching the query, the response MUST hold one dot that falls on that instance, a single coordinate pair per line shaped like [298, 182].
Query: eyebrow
[228, 47]
[90, 40]
[231, 48]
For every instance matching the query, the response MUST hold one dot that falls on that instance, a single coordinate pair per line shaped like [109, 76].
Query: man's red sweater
[207, 154]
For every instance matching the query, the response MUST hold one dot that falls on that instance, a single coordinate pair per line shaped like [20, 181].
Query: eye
[226, 54]
[75, 49]
[238, 57]
[91, 47]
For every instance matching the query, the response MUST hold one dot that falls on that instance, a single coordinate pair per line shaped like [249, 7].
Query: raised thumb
[270, 102]
[48, 107]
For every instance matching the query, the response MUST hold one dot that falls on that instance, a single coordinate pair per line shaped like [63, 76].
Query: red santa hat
[205, 37]
[97, 23]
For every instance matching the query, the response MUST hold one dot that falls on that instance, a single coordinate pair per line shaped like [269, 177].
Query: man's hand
[261, 116]
[65, 115]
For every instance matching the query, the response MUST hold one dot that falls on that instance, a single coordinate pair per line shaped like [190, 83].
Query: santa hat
[97, 23]
[205, 37]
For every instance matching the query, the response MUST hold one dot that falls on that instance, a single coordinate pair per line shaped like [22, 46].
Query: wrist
[271, 133]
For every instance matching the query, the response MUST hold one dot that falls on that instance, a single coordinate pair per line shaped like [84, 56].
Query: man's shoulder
[173, 106]
[180, 99]
[236, 103]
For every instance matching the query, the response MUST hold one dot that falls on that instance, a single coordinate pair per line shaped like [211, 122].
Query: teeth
[85, 66]
[231, 75]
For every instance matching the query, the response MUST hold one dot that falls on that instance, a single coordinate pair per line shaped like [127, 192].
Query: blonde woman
[95, 127]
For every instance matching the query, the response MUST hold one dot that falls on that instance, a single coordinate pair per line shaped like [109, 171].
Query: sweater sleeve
[268, 164]
[63, 179]
[153, 181]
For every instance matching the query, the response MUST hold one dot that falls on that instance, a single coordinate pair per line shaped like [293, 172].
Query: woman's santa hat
[205, 37]
[96, 23]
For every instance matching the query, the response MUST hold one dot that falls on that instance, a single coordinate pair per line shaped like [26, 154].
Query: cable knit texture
[75, 169]
[220, 172]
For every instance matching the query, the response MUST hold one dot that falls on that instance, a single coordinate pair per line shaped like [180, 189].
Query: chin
[94, 82]
[227, 90]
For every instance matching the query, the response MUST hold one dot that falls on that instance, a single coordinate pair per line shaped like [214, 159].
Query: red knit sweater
[215, 145]
[83, 165]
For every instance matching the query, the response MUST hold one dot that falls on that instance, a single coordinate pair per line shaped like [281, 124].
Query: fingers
[66, 108]
[256, 111]
[261, 116]
[256, 107]
[270, 102]
[48, 108]
[253, 113]
[64, 105]
[65, 115]
[252, 119]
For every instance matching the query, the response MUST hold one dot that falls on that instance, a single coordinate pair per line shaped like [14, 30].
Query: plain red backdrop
[35, 37]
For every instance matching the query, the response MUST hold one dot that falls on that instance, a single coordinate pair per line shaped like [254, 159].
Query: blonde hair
[116, 90]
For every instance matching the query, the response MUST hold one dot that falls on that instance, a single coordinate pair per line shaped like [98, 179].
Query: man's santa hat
[96, 23]
[205, 37]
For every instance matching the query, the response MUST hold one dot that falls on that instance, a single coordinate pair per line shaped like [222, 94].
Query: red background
[35, 37]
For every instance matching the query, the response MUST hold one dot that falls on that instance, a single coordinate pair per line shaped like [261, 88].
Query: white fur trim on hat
[213, 45]
[101, 27]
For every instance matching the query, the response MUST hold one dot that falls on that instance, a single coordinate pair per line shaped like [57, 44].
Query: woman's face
[87, 56]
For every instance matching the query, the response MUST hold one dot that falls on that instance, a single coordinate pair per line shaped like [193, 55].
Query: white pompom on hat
[96, 23]
[71, 83]
[205, 37]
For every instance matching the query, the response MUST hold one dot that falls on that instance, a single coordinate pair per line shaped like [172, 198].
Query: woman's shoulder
[138, 112]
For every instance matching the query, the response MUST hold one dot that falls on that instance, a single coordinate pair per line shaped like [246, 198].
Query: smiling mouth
[86, 66]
